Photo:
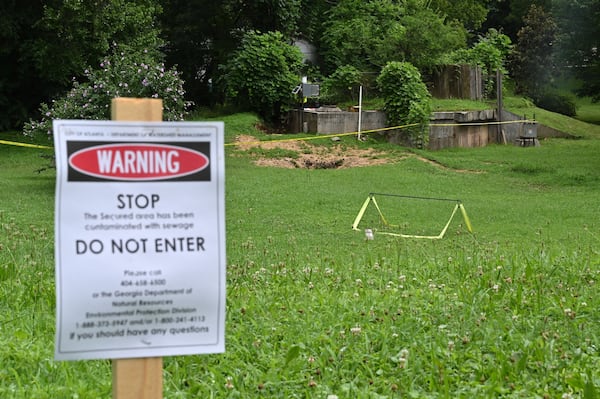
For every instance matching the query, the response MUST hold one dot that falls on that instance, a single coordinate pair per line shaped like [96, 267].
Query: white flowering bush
[118, 75]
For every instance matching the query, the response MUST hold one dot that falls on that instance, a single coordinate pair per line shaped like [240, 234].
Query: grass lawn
[588, 111]
[316, 311]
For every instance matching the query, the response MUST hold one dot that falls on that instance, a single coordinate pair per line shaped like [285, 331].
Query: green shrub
[261, 75]
[555, 101]
[489, 53]
[119, 75]
[407, 100]
[340, 84]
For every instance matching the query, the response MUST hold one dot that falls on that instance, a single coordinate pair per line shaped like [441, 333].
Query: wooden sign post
[137, 378]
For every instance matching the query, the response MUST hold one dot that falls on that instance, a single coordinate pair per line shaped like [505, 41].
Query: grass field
[316, 311]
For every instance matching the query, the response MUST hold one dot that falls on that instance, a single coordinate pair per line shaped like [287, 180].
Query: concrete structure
[462, 129]
[332, 120]
[447, 129]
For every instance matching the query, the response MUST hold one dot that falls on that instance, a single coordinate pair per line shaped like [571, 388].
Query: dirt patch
[302, 154]
[298, 153]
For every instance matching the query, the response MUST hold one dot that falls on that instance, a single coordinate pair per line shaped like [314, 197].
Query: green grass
[454, 104]
[315, 310]
[574, 127]
[588, 111]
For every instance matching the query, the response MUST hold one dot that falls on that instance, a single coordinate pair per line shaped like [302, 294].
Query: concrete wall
[447, 129]
[334, 121]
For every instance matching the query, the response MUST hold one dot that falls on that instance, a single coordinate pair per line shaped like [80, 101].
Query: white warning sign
[140, 239]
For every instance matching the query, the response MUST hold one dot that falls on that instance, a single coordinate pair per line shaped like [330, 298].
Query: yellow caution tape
[25, 145]
[316, 137]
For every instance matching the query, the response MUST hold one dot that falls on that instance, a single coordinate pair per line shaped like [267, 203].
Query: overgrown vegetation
[45, 45]
[490, 53]
[261, 75]
[555, 41]
[407, 101]
[341, 85]
[122, 74]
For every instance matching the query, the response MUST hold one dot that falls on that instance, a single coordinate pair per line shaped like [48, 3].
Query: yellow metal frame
[371, 198]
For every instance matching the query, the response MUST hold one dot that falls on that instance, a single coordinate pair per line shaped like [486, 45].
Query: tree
[262, 73]
[508, 15]
[19, 78]
[86, 31]
[340, 85]
[532, 61]
[368, 34]
[48, 43]
[199, 36]
[269, 15]
[407, 100]
[429, 39]
[202, 34]
[579, 42]
[491, 52]
[314, 17]
[470, 13]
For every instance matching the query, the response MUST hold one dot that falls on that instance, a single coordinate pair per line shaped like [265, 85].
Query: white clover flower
[570, 313]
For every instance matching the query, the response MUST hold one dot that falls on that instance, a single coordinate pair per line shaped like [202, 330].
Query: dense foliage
[262, 74]
[202, 34]
[556, 101]
[470, 13]
[45, 45]
[407, 101]
[579, 42]
[341, 84]
[369, 34]
[532, 61]
[490, 53]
